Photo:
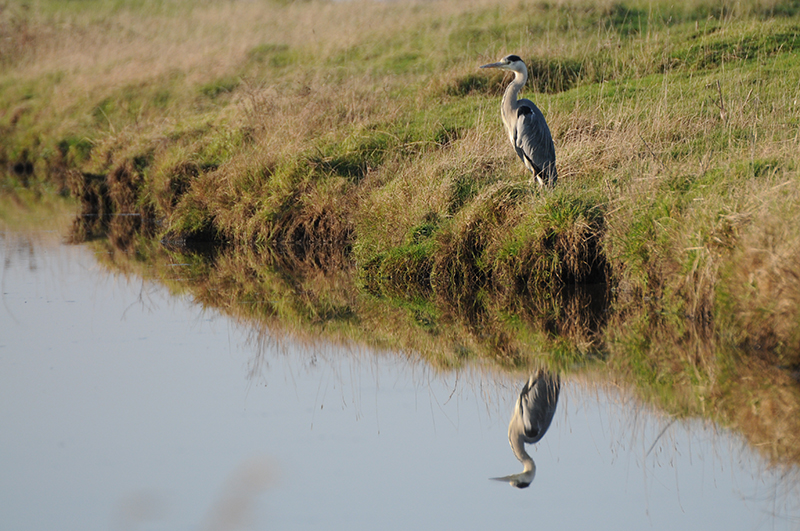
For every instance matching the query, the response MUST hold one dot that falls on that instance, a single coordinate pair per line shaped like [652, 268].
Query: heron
[525, 124]
[531, 418]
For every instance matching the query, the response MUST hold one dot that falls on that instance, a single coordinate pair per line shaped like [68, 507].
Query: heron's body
[525, 124]
[533, 413]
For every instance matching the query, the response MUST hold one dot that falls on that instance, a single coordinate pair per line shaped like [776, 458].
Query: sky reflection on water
[123, 407]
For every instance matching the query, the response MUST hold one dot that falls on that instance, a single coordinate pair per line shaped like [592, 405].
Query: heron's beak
[492, 65]
[512, 477]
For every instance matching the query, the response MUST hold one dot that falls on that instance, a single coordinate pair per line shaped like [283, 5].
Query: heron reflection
[532, 415]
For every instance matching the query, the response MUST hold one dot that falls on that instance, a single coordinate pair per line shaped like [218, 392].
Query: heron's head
[520, 484]
[509, 62]
[521, 481]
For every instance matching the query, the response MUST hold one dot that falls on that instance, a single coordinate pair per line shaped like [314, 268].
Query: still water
[124, 407]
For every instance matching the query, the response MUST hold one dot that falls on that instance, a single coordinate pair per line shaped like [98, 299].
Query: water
[124, 407]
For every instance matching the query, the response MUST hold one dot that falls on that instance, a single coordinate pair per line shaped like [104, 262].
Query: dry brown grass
[764, 290]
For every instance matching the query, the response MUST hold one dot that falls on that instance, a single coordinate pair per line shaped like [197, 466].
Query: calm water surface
[123, 407]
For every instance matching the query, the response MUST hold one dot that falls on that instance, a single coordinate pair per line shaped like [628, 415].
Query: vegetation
[330, 143]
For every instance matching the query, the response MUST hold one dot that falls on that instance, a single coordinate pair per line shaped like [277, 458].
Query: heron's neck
[512, 91]
[509, 105]
[528, 466]
[518, 447]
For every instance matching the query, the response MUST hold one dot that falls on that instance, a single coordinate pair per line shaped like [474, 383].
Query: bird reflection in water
[532, 415]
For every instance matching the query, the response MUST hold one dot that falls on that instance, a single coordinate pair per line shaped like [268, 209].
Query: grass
[358, 144]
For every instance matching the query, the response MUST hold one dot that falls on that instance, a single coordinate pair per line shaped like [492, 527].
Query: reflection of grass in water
[649, 435]
[670, 362]
[686, 370]
[24, 210]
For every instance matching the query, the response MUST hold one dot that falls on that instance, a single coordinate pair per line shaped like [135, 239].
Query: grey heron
[531, 418]
[525, 124]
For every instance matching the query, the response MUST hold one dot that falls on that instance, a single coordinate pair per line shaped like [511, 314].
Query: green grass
[360, 139]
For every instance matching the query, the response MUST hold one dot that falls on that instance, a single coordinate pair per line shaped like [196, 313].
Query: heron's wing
[534, 144]
[537, 403]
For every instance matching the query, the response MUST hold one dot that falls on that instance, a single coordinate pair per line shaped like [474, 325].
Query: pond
[123, 406]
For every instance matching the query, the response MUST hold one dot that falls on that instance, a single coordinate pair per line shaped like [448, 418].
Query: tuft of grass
[219, 87]
[555, 243]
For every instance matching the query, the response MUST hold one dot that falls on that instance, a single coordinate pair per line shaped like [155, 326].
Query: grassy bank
[361, 137]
